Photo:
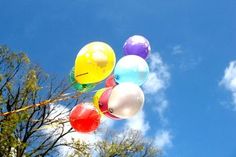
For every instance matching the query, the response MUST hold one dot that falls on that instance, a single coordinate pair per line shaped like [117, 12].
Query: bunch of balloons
[122, 97]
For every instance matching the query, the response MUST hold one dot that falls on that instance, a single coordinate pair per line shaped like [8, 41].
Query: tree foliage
[23, 84]
[129, 143]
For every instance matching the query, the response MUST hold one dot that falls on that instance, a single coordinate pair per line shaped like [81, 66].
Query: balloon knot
[116, 77]
[110, 110]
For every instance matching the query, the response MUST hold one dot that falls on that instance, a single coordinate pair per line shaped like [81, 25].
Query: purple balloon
[137, 45]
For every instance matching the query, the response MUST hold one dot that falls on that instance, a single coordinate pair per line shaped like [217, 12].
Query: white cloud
[106, 122]
[158, 77]
[183, 59]
[187, 63]
[138, 123]
[177, 50]
[163, 139]
[161, 107]
[234, 98]
[155, 87]
[153, 83]
[158, 81]
[229, 80]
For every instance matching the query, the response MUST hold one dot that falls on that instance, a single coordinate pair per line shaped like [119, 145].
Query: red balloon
[84, 118]
[103, 104]
[110, 81]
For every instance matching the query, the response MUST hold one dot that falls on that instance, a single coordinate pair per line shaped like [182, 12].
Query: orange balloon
[84, 118]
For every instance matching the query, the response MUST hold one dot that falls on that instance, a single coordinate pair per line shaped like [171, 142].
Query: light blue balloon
[131, 68]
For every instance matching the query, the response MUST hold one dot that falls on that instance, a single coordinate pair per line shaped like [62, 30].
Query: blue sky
[194, 40]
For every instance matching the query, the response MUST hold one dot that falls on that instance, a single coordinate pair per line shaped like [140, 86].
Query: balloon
[96, 98]
[103, 104]
[110, 81]
[126, 100]
[78, 86]
[84, 118]
[131, 68]
[94, 62]
[137, 45]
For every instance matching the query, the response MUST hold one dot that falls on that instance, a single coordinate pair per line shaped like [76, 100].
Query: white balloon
[126, 100]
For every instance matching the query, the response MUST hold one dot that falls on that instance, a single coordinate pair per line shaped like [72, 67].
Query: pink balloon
[103, 104]
[110, 81]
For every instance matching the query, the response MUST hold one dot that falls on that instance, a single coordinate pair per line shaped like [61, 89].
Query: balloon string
[46, 102]
[43, 103]
[82, 74]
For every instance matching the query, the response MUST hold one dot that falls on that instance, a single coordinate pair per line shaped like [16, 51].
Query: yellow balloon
[94, 62]
[96, 98]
